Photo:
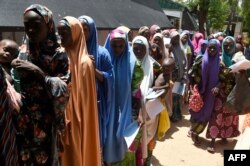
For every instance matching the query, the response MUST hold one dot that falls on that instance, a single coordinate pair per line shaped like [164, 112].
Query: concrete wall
[18, 36]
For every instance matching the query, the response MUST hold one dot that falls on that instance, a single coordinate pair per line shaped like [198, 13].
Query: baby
[8, 51]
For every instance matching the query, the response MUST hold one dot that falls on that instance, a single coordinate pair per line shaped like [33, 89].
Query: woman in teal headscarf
[228, 50]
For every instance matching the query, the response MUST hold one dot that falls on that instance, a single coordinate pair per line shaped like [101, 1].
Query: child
[8, 51]
[164, 81]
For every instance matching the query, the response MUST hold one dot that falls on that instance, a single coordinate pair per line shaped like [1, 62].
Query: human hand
[215, 91]
[27, 66]
[92, 59]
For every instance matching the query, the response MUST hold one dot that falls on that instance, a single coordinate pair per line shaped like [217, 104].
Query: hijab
[179, 56]
[210, 78]
[197, 37]
[82, 110]
[227, 57]
[123, 66]
[50, 45]
[92, 44]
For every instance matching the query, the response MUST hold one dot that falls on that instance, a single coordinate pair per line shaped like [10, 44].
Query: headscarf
[147, 82]
[195, 41]
[201, 42]
[166, 33]
[161, 45]
[123, 69]
[191, 47]
[92, 44]
[210, 78]
[142, 30]
[147, 65]
[184, 33]
[124, 29]
[82, 106]
[227, 57]
[121, 112]
[153, 30]
[104, 88]
[50, 45]
[179, 56]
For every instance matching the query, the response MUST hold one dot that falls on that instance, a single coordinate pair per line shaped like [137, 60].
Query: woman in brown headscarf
[81, 140]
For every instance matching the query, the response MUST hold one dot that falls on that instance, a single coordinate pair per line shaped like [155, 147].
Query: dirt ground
[176, 149]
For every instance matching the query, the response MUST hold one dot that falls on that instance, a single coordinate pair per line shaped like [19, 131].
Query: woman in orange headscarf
[81, 140]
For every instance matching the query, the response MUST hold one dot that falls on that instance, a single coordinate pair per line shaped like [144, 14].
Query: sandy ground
[176, 149]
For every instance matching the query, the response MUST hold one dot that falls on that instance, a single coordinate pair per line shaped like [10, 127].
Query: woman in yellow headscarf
[81, 140]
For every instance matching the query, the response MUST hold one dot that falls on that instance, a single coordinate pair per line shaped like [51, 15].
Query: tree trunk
[202, 17]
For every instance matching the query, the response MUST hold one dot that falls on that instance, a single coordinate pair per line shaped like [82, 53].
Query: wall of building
[18, 36]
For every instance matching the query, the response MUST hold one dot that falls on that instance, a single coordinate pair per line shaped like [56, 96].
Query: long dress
[81, 140]
[120, 117]
[104, 88]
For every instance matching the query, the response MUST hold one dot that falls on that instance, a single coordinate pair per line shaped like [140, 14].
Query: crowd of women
[66, 100]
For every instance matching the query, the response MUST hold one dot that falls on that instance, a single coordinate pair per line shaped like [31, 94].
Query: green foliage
[246, 13]
[218, 12]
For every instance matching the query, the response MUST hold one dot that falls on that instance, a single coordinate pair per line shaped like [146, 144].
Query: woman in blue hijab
[123, 61]
[103, 72]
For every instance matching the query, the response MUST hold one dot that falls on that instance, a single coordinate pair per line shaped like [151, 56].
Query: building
[179, 15]
[108, 14]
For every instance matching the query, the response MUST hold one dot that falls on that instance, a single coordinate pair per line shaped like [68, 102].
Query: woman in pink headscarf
[197, 37]
[153, 30]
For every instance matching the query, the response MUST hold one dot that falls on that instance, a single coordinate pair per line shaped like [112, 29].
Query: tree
[217, 14]
[200, 8]
[246, 14]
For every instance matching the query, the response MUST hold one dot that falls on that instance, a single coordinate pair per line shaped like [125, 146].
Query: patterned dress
[222, 124]
[42, 113]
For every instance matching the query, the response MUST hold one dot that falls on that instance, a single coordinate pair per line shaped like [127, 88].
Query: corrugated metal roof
[168, 4]
[106, 13]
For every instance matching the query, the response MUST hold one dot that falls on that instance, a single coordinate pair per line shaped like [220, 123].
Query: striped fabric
[8, 150]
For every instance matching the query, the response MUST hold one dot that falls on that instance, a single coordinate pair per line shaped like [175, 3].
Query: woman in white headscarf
[140, 47]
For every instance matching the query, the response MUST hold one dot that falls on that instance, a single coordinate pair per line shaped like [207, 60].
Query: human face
[86, 30]
[212, 49]
[8, 51]
[228, 45]
[167, 69]
[184, 39]
[35, 27]
[139, 50]
[157, 40]
[118, 46]
[64, 32]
